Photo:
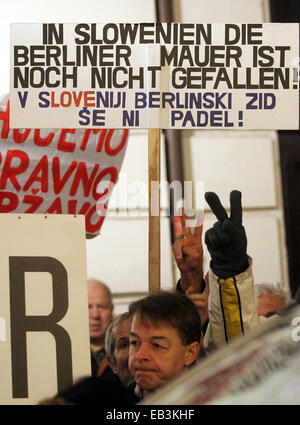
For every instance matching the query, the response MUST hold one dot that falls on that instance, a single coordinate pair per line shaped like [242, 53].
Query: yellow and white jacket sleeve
[232, 308]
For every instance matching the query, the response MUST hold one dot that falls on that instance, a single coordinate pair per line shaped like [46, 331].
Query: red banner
[59, 171]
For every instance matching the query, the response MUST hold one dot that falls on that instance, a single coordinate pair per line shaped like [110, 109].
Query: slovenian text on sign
[154, 75]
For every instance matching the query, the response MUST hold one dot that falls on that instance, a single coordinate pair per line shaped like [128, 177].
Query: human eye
[157, 346]
[102, 306]
[133, 342]
[123, 345]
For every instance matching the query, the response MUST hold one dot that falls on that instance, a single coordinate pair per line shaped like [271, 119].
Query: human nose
[94, 313]
[143, 352]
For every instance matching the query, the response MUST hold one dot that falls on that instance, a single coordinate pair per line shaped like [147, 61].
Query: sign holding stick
[154, 209]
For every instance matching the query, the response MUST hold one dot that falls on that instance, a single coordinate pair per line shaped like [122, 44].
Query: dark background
[289, 147]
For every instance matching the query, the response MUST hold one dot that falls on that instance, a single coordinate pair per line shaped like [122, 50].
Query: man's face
[121, 353]
[100, 312]
[157, 354]
[269, 305]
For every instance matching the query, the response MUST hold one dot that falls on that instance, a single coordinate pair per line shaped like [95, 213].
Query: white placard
[44, 341]
[154, 75]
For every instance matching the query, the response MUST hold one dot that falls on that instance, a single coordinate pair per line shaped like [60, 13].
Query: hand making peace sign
[188, 253]
[226, 241]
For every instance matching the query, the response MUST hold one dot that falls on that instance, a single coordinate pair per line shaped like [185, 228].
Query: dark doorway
[289, 148]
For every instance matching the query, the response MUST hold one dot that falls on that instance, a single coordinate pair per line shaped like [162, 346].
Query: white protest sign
[155, 75]
[64, 171]
[44, 342]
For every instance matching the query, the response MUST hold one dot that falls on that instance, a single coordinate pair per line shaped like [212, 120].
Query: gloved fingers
[236, 207]
[233, 231]
[211, 239]
[215, 205]
[223, 237]
[207, 238]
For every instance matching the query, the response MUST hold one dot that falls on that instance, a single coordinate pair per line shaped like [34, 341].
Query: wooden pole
[154, 210]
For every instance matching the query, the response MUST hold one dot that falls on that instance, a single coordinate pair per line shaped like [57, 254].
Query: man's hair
[276, 289]
[93, 284]
[173, 309]
[110, 340]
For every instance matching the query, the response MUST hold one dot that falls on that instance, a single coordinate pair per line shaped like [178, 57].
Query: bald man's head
[100, 311]
[94, 284]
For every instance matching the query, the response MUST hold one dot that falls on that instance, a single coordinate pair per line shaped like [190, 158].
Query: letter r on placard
[20, 323]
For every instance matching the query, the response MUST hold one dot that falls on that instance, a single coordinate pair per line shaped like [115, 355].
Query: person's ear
[191, 353]
[110, 364]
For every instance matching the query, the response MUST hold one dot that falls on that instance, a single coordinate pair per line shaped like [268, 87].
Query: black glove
[226, 241]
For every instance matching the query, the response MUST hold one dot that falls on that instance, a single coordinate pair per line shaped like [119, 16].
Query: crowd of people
[164, 333]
